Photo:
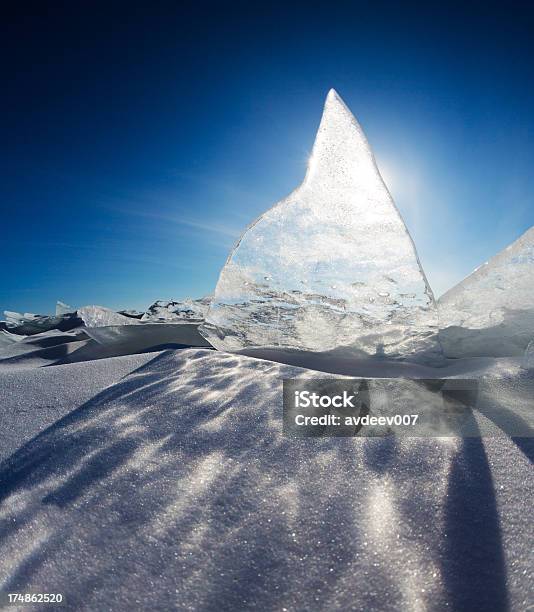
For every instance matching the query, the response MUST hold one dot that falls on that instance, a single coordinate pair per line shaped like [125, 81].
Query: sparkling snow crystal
[332, 266]
[491, 312]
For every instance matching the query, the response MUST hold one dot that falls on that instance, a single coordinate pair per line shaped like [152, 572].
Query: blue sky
[139, 141]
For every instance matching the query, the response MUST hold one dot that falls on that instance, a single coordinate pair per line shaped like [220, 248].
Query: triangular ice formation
[491, 312]
[332, 266]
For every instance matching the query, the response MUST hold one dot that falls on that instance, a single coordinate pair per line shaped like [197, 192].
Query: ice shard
[63, 309]
[28, 324]
[186, 310]
[99, 316]
[491, 312]
[528, 357]
[331, 267]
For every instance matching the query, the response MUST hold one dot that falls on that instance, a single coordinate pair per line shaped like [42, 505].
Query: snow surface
[174, 488]
[36, 398]
[88, 343]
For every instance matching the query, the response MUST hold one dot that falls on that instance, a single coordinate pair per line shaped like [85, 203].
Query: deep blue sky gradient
[139, 140]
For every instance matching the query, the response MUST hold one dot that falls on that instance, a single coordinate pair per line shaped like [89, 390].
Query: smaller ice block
[491, 312]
